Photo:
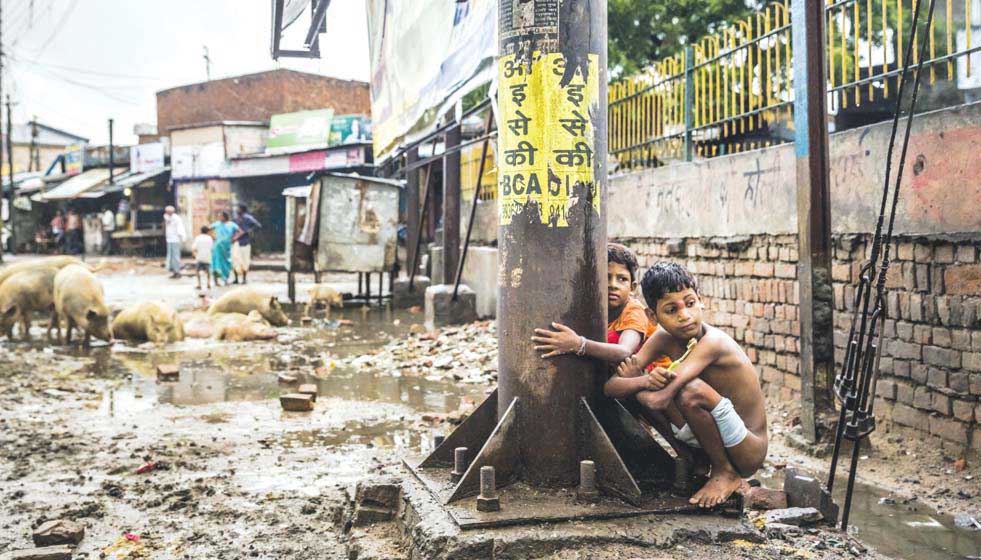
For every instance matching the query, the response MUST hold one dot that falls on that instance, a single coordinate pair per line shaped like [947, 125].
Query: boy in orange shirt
[629, 325]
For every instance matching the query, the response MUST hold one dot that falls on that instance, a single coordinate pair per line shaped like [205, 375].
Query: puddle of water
[900, 530]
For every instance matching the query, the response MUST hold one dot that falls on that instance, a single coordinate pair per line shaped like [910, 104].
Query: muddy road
[210, 466]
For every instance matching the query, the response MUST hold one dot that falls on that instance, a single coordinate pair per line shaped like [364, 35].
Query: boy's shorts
[731, 427]
[204, 266]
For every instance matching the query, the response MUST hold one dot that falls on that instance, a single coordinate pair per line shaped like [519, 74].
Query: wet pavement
[226, 473]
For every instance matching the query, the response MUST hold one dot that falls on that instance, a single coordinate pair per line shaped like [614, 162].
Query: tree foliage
[646, 31]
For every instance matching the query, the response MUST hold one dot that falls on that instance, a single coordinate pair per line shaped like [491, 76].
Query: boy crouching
[710, 407]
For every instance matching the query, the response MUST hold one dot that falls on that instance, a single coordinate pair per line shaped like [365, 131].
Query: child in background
[201, 247]
[628, 327]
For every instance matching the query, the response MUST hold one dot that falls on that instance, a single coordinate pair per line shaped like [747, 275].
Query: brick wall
[931, 360]
[256, 97]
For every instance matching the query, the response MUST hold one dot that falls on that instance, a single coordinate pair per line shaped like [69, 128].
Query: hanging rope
[855, 384]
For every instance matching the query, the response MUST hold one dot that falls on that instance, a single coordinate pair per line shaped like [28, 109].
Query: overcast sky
[76, 63]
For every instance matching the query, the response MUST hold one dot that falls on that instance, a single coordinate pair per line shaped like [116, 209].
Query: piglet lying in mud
[322, 293]
[79, 300]
[148, 321]
[246, 300]
[236, 327]
[24, 293]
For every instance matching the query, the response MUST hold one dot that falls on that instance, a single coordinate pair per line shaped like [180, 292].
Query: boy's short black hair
[619, 254]
[665, 277]
[205, 229]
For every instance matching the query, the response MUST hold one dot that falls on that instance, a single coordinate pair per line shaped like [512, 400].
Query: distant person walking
[242, 249]
[202, 248]
[108, 226]
[174, 228]
[58, 229]
[73, 233]
[221, 254]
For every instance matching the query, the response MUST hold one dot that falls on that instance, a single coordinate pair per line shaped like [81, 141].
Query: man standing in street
[108, 226]
[174, 228]
[242, 243]
[74, 244]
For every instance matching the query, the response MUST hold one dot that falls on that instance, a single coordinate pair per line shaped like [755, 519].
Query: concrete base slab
[441, 309]
[428, 530]
[404, 298]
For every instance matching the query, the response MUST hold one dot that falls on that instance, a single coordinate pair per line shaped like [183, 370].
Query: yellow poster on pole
[545, 142]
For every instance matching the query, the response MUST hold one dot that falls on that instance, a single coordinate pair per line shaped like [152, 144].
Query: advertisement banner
[348, 129]
[74, 156]
[299, 132]
[410, 87]
[146, 157]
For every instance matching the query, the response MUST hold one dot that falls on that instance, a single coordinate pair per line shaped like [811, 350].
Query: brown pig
[237, 327]
[322, 293]
[148, 321]
[79, 300]
[245, 300]
[24, 293]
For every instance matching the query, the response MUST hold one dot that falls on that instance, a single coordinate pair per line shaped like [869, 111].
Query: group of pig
[67, 290]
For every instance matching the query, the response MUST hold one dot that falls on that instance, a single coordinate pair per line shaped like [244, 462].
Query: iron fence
[732, 91]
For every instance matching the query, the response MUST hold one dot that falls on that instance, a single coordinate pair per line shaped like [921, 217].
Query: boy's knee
[693, 395]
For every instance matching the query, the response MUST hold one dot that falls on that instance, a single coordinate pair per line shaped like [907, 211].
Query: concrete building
[256, 97]
[48, 141]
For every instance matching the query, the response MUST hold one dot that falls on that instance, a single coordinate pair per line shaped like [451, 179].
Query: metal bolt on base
[488, 499]
[459, 464]
[587, 482]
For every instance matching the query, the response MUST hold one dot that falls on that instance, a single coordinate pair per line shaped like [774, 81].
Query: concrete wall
[256, 97]
[732, 221]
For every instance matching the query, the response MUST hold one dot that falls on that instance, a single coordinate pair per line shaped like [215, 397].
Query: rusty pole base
[634, 473]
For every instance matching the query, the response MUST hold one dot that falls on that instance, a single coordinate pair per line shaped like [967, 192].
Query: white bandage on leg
[731, 426]
[685, 435]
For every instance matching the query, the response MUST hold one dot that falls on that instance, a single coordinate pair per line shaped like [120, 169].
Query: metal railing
[732, 91]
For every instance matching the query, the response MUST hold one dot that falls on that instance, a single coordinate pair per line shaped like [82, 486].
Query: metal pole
[10, 173]
[414, 264]
[8, 136]
[553, 221]
[111, 161]
[813, 213]
[689, 99]
[411, 212]
[451, 204]
[473, 206]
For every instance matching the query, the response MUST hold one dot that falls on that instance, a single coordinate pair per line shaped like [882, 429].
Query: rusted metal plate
[358, 224]
[647, 461]
[472, 434]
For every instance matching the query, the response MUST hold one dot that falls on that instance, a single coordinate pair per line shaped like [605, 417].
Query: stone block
[807, 492]
[963, 410]
[941, 337]
[296, 402]
[764, 498]
[948, 429]
[965, 254]
[959, 381]
[797, 516]
[922, 253]
[971, 361]
[375, 501]
[963, 280]
[909, 416]
[308, 389]
[57, 552]
[943, 253]
[404, 298]
[58, 531]
[904, 393]
[441, 309]
[959, 339]
[937, 378]
[168, 372]
[922, 398]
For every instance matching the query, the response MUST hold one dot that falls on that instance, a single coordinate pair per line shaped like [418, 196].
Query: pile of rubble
[466, 353]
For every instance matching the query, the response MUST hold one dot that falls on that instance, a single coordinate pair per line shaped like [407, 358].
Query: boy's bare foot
[717, 490]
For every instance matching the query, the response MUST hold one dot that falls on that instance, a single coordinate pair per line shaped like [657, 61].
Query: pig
[322, 293]
[148, 321]
[237, 327]
[198, 324]
[23, 293]
[78, 299]
[244, 300]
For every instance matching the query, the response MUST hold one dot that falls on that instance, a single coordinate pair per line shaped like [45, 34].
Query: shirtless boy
[711, 401]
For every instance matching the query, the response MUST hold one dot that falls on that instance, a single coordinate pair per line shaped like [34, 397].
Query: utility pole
[10, 173]
[34, 163]
[817, 360]
[207, 63]
[110, 152]
[451, 204]
[8, 138]
[552, 177]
